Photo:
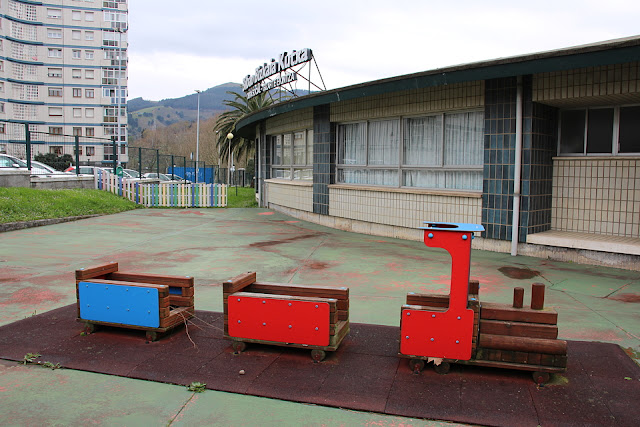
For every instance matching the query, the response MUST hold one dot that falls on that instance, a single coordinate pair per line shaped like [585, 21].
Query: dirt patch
[281, 241]
[626, 298]
[518, 273]
[317, 265]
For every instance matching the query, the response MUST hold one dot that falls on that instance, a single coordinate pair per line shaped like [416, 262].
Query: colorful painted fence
[163, 195]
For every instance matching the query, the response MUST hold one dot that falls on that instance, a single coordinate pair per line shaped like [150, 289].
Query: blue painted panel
[128, 305]
[174, 290]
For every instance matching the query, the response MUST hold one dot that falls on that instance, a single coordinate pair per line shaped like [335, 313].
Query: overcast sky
[176, 47]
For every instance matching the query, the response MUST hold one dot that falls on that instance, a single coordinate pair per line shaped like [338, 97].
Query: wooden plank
[511, 365]
[430, 300]
[520, 329]
[508, 356]
[301, 290]
[177, 316]
[474, 287]
[163, 290]
[157, 279]
[524, 344]
[331, 301]
[560, 361]
[493, 311]
[99, 270]
[534, 358]
[521, 357]
[181, 301]
[546, 359]
[239, 282]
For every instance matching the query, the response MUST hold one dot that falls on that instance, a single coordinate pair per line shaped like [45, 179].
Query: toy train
[445, 329]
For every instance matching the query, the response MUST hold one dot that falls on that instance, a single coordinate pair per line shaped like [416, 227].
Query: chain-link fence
[58, 150]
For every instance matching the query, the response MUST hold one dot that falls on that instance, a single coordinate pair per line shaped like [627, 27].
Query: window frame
[292, 168]
[402, 166]
[615, 137]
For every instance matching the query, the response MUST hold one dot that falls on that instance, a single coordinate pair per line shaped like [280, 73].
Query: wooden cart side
[96, 271]
[239, 282]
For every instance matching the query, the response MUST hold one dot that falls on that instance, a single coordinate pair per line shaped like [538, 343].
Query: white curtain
[463, 134]
[384, 139]
[286, 148]
[422, 141]
[299, 149]
[352, 144]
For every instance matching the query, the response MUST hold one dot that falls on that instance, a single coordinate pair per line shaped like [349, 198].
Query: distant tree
[226, 123]
[57, 162]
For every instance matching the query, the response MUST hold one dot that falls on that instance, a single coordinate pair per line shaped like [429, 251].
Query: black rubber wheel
[442, 368]
[239, 347]
[318, 355]
[151, 335]
[416, 365]
[540, 378]
[89, 328]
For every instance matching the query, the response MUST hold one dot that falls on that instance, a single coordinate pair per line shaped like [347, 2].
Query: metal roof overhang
[604, 53]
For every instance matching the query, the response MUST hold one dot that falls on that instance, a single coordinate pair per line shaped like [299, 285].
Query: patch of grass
[246, 198]
[197, 387]
[30, 358]
[29, 204]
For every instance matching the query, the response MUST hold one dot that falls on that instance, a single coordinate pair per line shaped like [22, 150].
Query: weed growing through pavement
[196, 387]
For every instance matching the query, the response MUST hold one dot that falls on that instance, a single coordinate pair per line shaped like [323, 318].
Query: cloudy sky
[176, 47]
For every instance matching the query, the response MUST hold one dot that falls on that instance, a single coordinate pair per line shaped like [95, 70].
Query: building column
[324, 157]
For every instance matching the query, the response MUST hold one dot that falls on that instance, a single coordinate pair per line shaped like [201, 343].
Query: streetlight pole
[197, 136]
[119, 89]
[229, 138]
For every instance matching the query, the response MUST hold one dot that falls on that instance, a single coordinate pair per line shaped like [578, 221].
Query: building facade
[63, 71]
[541, 149]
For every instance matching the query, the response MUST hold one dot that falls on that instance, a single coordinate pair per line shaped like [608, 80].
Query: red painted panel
[285, 321]
[437, 333]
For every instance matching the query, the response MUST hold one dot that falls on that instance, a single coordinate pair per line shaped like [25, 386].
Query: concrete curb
[12, 226]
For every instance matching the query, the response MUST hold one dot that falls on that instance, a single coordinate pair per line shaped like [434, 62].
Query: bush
[57, 162]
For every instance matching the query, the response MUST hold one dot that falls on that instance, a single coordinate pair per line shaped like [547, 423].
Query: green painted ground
[36, 275]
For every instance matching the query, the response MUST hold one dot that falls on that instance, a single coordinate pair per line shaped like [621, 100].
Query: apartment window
[89, 74]
[1, 65]
[76, 15]
[54, 13]
[1, 44]
[89, 93]
[88, 112]
[77, 92]
[55, 53]
[79, 150]
[76, 34]
[1, 107]
[55, 91]
[54, 72]
[3, 131]
[77, 112]
[55, 111]
[91, 151]
[77, 132]
[76, 73]
[89, 16]
[88, 35]
[76, 54]
[600, 131]
[1, 86]
[54, 33]
[442, 151]
[293, 155]
[88, 54]
[55, 130]
[58, 150]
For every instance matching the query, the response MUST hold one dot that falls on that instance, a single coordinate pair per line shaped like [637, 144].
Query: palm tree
[226, 123]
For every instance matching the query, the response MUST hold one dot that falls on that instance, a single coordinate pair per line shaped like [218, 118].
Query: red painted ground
[600, 387]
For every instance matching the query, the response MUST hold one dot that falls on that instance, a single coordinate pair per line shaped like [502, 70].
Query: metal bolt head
[408, 313]
[465, 237]
[238, 299]
[433, 315]
[430, 235]
[407, 337]
[264, 324]
[458, 317]
[239, 321]
[107, 307]
[316, 328]
[264, 302]
[457, 342]
[289, 326]
[433, 339]
[316, 305]
[289, 304]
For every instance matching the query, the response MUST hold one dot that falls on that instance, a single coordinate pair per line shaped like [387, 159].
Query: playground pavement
[212, 245]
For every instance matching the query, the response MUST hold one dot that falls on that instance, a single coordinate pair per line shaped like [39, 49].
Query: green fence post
[158, 162]
[27, 140]
[140, 161]
[77, 143]
[172, 171]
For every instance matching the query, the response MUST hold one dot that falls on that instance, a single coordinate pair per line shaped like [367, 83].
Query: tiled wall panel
[288, 122]
[292, 196]
[596, 195]
[324, 158]
[402, 209]
[457, 96]
[618, 83]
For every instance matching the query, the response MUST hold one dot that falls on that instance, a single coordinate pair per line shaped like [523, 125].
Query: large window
[293, 155]
[441, 151]
[600, 131]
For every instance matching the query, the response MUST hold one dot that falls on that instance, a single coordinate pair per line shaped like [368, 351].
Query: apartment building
[63, 72]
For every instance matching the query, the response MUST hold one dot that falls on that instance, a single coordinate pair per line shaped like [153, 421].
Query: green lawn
[28, 204]
[246, 198]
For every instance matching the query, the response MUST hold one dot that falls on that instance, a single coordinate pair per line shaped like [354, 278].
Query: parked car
[166, 178]
[130, 174]
[44, 170]
[10, 162]
[84, 170]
